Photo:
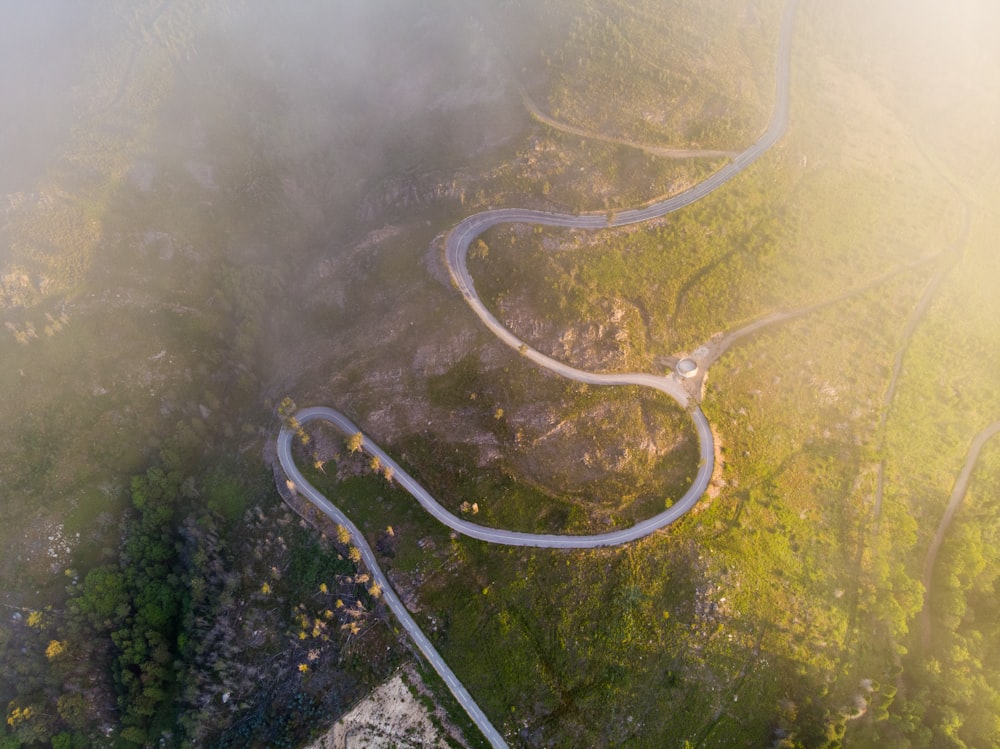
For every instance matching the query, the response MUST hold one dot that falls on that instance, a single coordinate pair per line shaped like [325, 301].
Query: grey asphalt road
[481, 532]
[368, 556]
[492, 535]
[457, 246]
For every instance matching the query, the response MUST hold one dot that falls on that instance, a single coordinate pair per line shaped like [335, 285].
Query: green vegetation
[951, 677]
[221, 229]
[186, 617]
[651, 290]
[633, 450]
[636, 70]
[142, 280]
[817, 588]
[947, 666]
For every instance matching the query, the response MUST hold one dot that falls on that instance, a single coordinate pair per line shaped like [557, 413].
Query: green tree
[73, 710]
[103, 597]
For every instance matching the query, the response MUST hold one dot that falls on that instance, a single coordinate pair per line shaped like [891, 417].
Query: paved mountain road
[457, 245]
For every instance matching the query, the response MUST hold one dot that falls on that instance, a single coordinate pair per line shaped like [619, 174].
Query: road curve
[456, 248]
[484, 533]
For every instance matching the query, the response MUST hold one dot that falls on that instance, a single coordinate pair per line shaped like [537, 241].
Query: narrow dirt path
[661, 151]
[957, 497]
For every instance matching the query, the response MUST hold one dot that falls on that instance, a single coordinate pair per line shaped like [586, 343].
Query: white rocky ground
[391, 717]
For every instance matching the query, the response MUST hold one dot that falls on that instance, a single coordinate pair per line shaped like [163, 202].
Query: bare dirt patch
[392, 717]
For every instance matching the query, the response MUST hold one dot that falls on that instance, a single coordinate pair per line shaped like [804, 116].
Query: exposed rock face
[604, 344]
[407, 192]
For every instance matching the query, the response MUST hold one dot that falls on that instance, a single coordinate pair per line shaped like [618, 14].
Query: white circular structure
[687, 367]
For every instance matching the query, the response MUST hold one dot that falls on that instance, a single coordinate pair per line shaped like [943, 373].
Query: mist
[214, 213]
[43, 48]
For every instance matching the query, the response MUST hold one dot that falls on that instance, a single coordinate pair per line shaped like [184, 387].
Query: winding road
[456, 248]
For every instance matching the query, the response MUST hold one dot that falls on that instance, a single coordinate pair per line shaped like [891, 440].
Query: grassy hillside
[248, 203]
[802, 603]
